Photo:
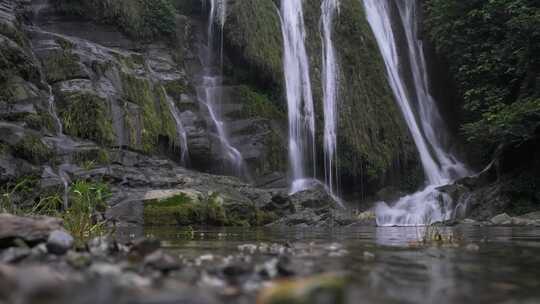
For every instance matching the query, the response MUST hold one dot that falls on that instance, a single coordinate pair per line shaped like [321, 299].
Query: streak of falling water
[210, 91]
[330, 84]
[181, 131]
[440, 166]
[52, 111]
[299, 95]
[60, 134]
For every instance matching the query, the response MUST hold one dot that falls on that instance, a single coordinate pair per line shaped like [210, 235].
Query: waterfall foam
[330, 91]
[440, 166]
[299, 95]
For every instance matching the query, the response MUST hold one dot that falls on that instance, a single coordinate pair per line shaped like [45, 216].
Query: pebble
[59, 242]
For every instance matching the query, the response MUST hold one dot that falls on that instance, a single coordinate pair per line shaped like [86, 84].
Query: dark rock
[59, 242]
[314, 198]
[30, 229]
[161, 261]
[14, 255]
[145, 246]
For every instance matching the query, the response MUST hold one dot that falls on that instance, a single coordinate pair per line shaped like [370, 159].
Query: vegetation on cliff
[493, 50]
[142, 19]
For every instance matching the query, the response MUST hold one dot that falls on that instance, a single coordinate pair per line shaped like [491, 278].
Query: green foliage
[141, 19]
[493, 49]
[86, 116]
[514, 123]
[85, 199]
[10, 193]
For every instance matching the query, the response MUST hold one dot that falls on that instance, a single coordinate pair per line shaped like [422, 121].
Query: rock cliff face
[374, 149]
[82, 82]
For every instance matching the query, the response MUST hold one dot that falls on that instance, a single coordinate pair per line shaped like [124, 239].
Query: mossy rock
[87, 116]
[33, 149]
[15, 65]
[155, 118]
[63, 65]
[374, 144]
[181, 210]
[254, 42]
[256, 105]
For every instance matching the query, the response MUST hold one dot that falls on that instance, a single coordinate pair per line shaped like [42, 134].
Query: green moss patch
[183, 211]
[255, 104]
[32, 149]
[86, 116]
[63, 66]
[253, 34]
[141, 19]
[156, 119]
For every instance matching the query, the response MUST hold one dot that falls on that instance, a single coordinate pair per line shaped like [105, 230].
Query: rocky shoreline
[40, 260]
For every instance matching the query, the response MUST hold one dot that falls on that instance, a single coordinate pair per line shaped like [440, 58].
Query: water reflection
[502, 266]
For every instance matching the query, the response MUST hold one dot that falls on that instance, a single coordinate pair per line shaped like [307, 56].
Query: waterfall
[210, 91]
[299, 96]
[182, 134]
[440, 166]
[330, 84]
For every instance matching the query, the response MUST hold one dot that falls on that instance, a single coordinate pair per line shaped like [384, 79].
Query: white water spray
[330, 90]
[299, 96]
[440, 167]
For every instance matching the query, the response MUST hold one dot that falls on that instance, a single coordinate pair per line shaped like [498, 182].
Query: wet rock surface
[27, 229]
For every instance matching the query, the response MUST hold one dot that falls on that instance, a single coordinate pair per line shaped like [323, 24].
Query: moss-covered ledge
[188, 208]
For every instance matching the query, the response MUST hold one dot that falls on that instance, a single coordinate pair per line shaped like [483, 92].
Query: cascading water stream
[52, 111]
[440, 167]
[330, 90]
[299, 95]
[182, 134]
[210, 90]
[60, 134]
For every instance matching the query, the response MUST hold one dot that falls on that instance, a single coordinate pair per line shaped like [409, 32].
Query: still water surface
[388, 265]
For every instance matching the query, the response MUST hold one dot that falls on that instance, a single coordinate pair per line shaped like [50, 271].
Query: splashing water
[298, 92]
[330, 84]
[440, 167]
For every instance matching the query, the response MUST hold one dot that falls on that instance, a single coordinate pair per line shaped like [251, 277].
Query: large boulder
[29, 229]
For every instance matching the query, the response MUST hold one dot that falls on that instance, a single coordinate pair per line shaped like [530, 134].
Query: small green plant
[7, 198]
[86, 198]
